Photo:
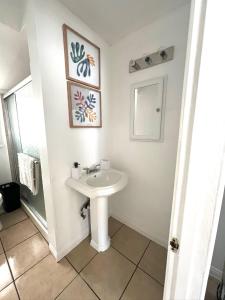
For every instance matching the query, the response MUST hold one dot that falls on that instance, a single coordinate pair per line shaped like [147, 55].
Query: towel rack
[36, 176]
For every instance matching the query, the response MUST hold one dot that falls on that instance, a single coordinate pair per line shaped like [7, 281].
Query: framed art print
[82, 58]
[84, 106]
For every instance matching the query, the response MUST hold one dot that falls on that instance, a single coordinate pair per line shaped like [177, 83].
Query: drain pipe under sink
[84, 207]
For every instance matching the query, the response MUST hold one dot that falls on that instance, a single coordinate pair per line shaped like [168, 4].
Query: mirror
[147, 110]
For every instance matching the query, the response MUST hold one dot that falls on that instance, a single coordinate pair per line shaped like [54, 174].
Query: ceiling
[14, 57]
[114, 19]
[111, 19]
[11, 13]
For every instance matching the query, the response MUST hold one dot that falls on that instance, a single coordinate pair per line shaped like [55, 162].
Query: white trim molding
[18, 86]
[200, 170]
[41, 224]
[59, 254]
[125, 221]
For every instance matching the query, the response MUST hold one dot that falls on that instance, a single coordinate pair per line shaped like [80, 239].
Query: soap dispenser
[76, 170]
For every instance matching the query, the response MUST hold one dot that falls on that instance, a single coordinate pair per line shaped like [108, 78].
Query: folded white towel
[29, 172]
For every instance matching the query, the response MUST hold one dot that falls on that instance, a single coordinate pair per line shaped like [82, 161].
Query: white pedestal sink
[98, 187]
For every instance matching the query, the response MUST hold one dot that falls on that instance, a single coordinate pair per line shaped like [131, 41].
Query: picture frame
[84, 105]
[82, 59]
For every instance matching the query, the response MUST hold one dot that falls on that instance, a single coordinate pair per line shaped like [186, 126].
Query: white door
[200, 175]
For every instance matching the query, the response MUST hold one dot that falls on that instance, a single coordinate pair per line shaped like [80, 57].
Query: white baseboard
[216, 273]
[53, 251]
[129, 223]
[63, 252]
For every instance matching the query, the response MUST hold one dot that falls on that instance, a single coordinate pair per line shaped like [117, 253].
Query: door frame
[200, 169]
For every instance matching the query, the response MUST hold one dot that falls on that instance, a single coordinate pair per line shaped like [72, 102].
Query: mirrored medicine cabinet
[147, 110]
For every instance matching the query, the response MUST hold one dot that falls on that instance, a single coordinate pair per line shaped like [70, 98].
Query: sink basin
[101, 183]
[104, 179]
[98, 187]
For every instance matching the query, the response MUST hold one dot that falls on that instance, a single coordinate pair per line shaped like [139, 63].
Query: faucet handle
[87, 170]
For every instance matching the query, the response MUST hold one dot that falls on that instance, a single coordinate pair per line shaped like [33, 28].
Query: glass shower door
[23, 122]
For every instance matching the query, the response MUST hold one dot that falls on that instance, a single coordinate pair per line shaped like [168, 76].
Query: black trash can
[10, 195]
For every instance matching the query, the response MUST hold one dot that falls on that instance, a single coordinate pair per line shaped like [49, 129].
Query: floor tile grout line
[16, 290]
[117, 231]
[123, 255]
[5, 213]
[144, 252]
[14, 224]
[6, 285]
[27, 218]
[128, 257]
[136, 267]
[128, 282]
[88, 263]
[71, 264]
[66, 286]
[13, 281]
[149, 275]
[21, 241]
[4, 252]
[20, 208]
[89, 286]
[139, 263]
[135, 264]
[139, 267]
[93, 256]
[79, 273]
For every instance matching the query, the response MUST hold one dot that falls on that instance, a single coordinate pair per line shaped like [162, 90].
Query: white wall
[146, 203]
[5, 174]
[219, 249]
[15, 65]
[60, 145]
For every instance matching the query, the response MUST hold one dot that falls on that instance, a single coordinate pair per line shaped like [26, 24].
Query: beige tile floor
[132, 269]
[211, 289]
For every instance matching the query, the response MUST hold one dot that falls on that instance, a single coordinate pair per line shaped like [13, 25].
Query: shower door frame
[7, 124]
[9, 140]
[36, 217]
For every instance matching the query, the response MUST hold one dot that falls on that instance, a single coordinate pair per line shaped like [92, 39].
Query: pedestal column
[99, 224]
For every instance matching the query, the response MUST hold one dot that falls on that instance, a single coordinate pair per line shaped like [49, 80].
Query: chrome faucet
[92, 169]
